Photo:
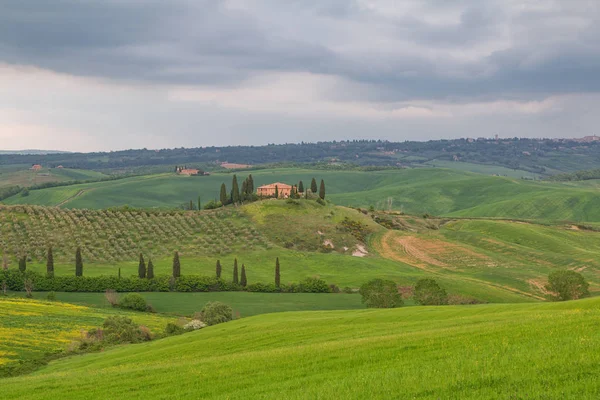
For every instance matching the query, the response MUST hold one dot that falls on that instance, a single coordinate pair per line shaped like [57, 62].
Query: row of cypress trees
[243, 280]
[147, 271]
[50, 263]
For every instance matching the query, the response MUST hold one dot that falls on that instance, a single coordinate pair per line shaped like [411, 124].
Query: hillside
[466, 352]
[415, 191]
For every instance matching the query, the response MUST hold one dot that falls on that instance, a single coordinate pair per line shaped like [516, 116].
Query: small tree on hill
[23, 263]
[142, 267]
[50, 263]
[235, 191]
[322, 190]
[276, 192]
[380, 293]
[243, 279]
[176, 266]
[429, 293]
[223, 195]
[277, 273]
[218, 268]
[313, 185]
[78, 263]
[567, 285]
[235, 272]
[300, 187]
[150, 271]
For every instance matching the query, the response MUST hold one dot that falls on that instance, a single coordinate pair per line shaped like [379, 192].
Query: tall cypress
[23, 263]
[250, 184]
[176, 266]
[322, 190]
[199, 204]
[191, 205]
[218, 268]
[301, 187]
[243, 280]
[78, 263]
[142, 267]
[235, 272]
[150, 272]
[223, 196]
[235, 190]
[244, 191]
[313, 185]
[50, 263]
[277, 273]
[276, 192]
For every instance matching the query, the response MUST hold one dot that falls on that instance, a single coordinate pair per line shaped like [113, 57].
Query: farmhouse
[283, 190]
[189, 172]
[36, 167]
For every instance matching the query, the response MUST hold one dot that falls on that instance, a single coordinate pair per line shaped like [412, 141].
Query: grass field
[415, 191]
[246, 304]
[25, 177]
[31, 329]
[529, 351]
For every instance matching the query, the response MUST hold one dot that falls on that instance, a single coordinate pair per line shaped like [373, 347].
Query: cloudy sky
[115, 74]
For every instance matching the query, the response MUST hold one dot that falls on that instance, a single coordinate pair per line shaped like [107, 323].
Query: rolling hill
[466, 352]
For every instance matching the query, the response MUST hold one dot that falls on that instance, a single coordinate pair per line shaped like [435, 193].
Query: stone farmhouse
[283, 190]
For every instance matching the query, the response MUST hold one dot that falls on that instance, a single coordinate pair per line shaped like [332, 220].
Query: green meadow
[531, 351]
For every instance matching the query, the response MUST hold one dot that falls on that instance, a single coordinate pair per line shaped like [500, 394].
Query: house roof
[278, 184]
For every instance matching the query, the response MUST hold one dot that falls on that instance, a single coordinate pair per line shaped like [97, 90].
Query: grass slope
[415, 191]
[466, 352]
[30, 329]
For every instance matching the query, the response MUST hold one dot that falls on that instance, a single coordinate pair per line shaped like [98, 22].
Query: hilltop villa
[36, 167]
[283, 190]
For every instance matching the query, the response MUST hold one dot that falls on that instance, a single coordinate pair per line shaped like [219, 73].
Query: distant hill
[33, 152]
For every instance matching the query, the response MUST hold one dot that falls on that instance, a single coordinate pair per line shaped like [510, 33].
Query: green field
[414, 191]
[31, 329]
[243, 304]
[23, 176]
[529, 351]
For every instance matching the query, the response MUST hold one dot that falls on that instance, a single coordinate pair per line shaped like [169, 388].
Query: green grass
[415, 191]
[529, 351]
[31, 329]
[25, 177]
[246, 304]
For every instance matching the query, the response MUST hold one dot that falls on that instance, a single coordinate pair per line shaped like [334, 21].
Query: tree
[215, 312]
[276, 192]
[313, 185]
[235, 190]
[78, 263]
[322, 190]
[176, 266]
[243, 279]
[235, 272]
[142, 267]
[50, 263]
[567, 285]
[244, 192]
[23, 263]
[250, 185]
[429, 293]
[277, 273]
[150, 271]
[223, 195]
[191, 205]
[5, 261]
[218, 268]
[300, 187]
[380, 293]
[199, 204]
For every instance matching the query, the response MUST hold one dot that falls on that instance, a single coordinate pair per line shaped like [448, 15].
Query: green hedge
[188, 283]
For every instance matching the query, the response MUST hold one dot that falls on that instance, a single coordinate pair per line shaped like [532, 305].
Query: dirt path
[79, 193]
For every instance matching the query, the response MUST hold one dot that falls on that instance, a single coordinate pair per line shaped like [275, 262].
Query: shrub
[348, 290]
[334, 288]
[314, 285]
[380, 293]
[429, 293]
[457, 299]
[173, 329]
[216, 313]
[194, 325]
[133, 301]
[211, 205]
[51, 296]
[112, 297]
[567, 285]
[321, 201]
[119, 329]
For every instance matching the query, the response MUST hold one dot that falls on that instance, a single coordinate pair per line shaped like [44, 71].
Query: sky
[99, 75]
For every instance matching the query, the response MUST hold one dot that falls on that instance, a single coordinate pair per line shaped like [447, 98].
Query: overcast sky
[90, 75]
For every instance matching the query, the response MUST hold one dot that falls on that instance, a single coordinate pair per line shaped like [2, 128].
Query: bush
[211, 205]
[133, 301]
[429, 293]
[51, 296]
[314, 285]
[380, 293]
[567, 285]
[216, 313]
[348, 290]
[321, 201]
[457, 299]
[117, 329]
[194, 325]
[173, 329]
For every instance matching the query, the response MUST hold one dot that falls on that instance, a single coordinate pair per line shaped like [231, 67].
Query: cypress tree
[218, 268]
[276, 192]
[235, 191]
[150, 271]
[223, 196]
[176, 266]
[313, 185]
[277, 273]
[322, 190]
[23, 263]
[191, 205]
[235, 272]
[250, 184]
[199, 204]
[78, 263]
[244, 190]
[300, 187]
[50, 263]
[243, 280]
[142, 267]
[119, 275]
